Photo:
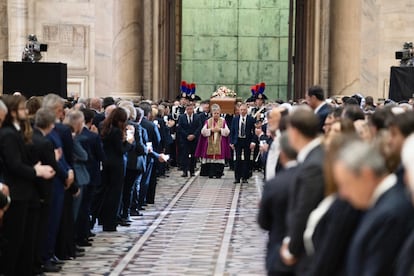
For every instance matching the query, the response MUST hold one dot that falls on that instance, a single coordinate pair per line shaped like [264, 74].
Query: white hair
[358, 154]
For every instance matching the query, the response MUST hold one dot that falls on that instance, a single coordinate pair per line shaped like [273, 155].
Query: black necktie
[243, 128]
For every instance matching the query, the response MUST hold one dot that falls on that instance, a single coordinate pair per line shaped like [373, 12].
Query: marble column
[4, 41]
[127, 28]
[17, 28]
[148, 48]
[345, 47]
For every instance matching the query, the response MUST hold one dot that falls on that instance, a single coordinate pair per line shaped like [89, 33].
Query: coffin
[226, 104]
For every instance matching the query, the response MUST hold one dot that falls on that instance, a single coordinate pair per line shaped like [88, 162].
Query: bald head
[96, 103]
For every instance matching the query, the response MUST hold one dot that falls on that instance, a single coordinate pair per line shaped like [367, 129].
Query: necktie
[243, 128]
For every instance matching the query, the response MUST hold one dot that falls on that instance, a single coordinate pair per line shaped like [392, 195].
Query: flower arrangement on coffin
[223, 92]
[225, 98]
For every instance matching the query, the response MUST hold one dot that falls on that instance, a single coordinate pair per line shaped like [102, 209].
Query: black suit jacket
[234, 130]
[331, 239]
[19, 173]
[380, 235]
[43, 150]
[322, 113]
[272, 216]
[99, 117]
[138, 148]
[185, 128]
[304, 196]
[67, 141]
[405, 263]
[96, 155]
[114, 148]
[152, 136]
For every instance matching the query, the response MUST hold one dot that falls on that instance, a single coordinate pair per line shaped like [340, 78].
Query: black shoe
[91, 234]
[135, 213]
[184, 175]
[79, 249]
[109, 228]
[79, 254]
[210, 176]
[56, 261]
[192, 174]
[127, 220]
[84, 243]
[245, 181]
[124, 223]
[141, 209]
[49, 267]
[236, 181]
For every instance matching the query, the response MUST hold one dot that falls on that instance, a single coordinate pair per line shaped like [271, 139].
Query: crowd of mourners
[337, 194]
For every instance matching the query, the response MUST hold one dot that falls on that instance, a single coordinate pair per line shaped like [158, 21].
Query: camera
[33, 49]
[406, 55]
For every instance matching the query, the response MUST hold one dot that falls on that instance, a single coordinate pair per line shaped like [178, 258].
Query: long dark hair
[13, 102]
[117, 118]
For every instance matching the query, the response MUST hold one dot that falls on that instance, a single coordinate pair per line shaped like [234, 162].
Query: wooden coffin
[226, 104]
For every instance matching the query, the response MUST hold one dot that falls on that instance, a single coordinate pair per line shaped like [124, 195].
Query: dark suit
[322, 113]
[132, 170]
[113, 176]
[99, 117]
[242, 146]
[149, 179]
[187, 148]
[304, 196]
[272, 217]
[21, 218]
[331, 239]
[405, 262]
[380, 235]
[43, 151]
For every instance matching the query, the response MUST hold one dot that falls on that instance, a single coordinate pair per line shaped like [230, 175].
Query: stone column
[127, 47]
[345, 47]
[17, 28]
[4, 41]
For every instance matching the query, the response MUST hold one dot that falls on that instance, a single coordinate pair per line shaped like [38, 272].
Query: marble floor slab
[197, 226]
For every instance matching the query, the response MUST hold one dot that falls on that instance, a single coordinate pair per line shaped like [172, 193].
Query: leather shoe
[109, 228]
[84, 243]
[236, 181]
[79, 249]
[192, 174]
[79, 254]
[124, 223]
[141, 209]
[49, 267]
[245, 181]
[135, 213]
[184, 175]
[55, 260]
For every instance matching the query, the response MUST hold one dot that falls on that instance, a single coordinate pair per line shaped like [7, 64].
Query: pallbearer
[242, 142]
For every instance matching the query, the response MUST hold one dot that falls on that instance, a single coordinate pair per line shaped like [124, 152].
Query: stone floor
[198, 226]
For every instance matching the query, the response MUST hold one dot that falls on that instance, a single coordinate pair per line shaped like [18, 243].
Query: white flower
[223, 92]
